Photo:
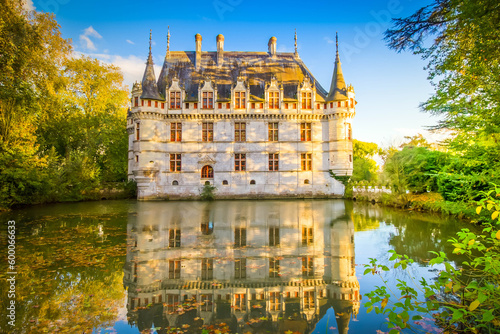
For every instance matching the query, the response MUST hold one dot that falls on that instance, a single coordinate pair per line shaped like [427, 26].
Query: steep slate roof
[255, 68]
[338, 88]
[149, 88]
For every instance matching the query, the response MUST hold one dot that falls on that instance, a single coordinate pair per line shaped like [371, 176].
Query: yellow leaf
[471, 242]
[494, 215]
[489, 206]
[473, 305]
[478, 209]
[384, 302]
[498, 234]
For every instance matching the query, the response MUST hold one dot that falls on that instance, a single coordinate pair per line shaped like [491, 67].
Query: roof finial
[337, 43]
[295, 40]
[168, 41]
[150, 33]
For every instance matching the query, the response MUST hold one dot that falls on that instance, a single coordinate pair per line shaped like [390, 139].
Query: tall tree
[364, 167]
[463, 60]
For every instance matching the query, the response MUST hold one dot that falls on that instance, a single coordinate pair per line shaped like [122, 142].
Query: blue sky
[389, 86]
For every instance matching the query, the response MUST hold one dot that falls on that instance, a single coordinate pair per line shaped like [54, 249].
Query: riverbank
[426, 202]
[105, 191]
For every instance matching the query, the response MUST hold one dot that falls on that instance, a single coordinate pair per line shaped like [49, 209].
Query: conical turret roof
[149, 87]
[338, 88]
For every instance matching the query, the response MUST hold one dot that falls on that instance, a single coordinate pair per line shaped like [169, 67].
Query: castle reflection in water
[251, 266]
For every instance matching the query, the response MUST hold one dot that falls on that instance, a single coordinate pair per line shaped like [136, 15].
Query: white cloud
[28, 5]
[131, 66]
[329, 40]
[87, 43]
[130, 42]
[85, 40]
[90, 31]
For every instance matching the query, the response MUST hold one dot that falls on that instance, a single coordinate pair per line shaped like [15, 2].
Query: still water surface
[292, 266]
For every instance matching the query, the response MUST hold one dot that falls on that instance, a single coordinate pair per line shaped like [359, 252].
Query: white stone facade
[261, 138]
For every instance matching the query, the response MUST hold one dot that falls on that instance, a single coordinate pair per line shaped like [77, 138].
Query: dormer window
[274, 100]
[306, 100]
[239, 100]
[175, 100]
[208, 100]
[136, 101]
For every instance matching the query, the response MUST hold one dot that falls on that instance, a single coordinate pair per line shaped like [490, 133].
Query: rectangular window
[208, 100]
[253, 105]
[274, 267]
[306, 161]
[239, 100]
[174, 238]
[295, 106]
[228, 105]
[175, 162]
[349, 132]
[206, 303]
[137, 131]
[149, 103]
[274, 236]
[275, 301]
[156, 104]
[163, 105]
[142, 103]
[308, 299]
[273, 161]
[306, 100]
[207, 269]
[261, 105]
[195, 105]
[307, 236]
[240, 131]
[273, 131]
[175, 100]
[240, 237]
[136, 101]
[175, 131]
[338, 104]
[286, 105]
[307, 267]
[305, 131]
[207, 131]
[174, 269]
[240, 268]
[274, 100]
[187, 105]
[219, 105]
[240, 301]
[240, 162]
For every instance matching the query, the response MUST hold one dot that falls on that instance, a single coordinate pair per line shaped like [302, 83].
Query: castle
[251, 124]
[257, 266]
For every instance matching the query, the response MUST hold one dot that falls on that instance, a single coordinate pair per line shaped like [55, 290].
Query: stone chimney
[220, 49]
[197, 62]
[272, 46]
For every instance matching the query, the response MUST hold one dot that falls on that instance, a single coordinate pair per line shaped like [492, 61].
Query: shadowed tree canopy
[463, 60]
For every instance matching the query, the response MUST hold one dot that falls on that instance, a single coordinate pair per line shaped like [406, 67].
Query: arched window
[306, 181]
[252, 182]
[175, 183]
[207, 172]
[225, 182]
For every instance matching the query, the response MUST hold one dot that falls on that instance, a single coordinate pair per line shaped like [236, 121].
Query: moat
[289, 266]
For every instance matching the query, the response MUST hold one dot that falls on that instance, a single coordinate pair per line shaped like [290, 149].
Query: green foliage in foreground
[463, 299]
